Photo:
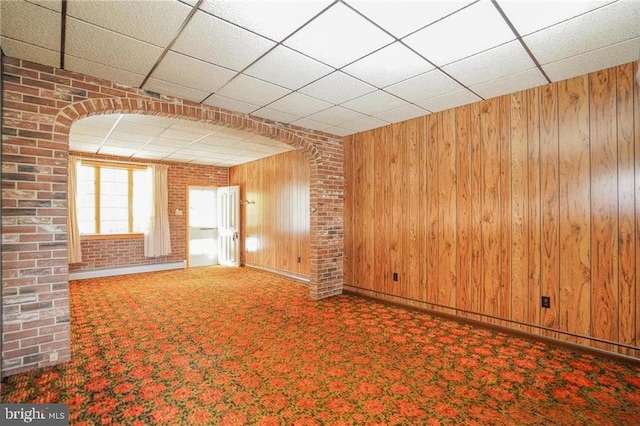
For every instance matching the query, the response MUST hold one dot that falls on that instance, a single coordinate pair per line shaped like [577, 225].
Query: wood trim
[133, 235]
[634, 362]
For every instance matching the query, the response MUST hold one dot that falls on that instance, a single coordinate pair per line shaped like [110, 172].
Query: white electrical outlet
[53, 356]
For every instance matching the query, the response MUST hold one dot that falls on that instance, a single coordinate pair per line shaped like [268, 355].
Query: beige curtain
[75, 250]
[157, 240]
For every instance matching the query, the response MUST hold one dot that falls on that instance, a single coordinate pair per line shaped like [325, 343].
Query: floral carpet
[231, 346]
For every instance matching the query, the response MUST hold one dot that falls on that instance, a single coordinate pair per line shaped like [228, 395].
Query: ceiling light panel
[337, 88]
[273, 19]
[388, 65]
[231, 104]
[31, 24]
[102, 46]
[202, 76]
[491, 64]
[424, 86]
[225, 44]
[403, 17]
[602, 27]
[299, 104]
[133, 18]
[176, 90]
[288, 68]
[249, 89]
[530, 16]
[375, 102]
[469, 31]
[616, 54]
[338, 36]
[510, 84]
[83, 66]
[449, 100]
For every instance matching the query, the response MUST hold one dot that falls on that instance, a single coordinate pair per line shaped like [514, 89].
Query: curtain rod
[99, 160]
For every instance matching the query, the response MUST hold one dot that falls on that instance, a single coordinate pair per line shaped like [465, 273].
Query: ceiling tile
[127, 136]
[288, 68]
[150, 155]
[338, 37]
[307, 123]
[365, 123]
[148, 120]
[337, 88]
[403, 113]
[298, 104]
[176, 143]
[427, 85]
[202, 76]
[117, 150]
[271, 114]
[181, 134]
[449, 100]
[30, 23]
[248, 89]
[123, 143]
[615, 54]
[608, 25]
[528, 16]
[55, 5]
[375, 102]
[159, 149]
[338, 131]
[336, 116]
[82, 146]
[231, 104]
[72, 63]
[133, 18]
[510, 83]
[171, 89]
[102, 46]
[491, 64]
[389, 65]
[29, 52]
[273, 19]
[406, 16]
[220, 45]
[467, 32]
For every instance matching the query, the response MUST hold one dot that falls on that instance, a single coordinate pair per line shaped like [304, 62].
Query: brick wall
[116, 252]
[40, 104]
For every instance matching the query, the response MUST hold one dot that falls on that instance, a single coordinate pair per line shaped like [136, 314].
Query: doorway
[202, 226]
[213, 225]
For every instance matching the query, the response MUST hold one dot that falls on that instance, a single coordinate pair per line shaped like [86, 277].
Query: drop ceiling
[336, 66]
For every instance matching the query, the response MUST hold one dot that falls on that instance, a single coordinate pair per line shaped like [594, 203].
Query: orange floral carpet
[225, 346]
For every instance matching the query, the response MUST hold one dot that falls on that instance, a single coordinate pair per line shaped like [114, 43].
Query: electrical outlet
[395, 276]
[546, 302]
[53, 356]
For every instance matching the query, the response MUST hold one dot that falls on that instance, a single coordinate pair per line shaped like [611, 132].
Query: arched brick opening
[203, 113]
[40, 104]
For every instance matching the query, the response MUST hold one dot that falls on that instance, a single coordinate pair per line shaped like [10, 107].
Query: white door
[202, 221]
[229, 225]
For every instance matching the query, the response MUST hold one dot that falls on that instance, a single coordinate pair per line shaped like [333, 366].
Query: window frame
[130, 167]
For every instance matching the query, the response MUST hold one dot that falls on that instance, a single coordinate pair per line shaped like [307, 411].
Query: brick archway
[40, 104]
[212, 115]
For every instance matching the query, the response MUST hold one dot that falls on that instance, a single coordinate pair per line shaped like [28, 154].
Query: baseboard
[126, 270]
[278, 272]
[404, 303]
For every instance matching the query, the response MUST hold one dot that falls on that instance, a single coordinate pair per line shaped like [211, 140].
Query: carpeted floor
[225, 346]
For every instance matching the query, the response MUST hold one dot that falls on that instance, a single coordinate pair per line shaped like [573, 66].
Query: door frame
[187, 212]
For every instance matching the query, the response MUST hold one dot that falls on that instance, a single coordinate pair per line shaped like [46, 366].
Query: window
[113, 198]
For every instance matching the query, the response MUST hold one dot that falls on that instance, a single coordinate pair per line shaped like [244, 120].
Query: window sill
[135, 235]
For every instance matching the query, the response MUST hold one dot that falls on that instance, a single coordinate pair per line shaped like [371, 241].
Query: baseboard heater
[126, 270]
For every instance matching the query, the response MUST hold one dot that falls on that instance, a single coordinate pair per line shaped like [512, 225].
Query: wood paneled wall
[483, 209]
[276, 227]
